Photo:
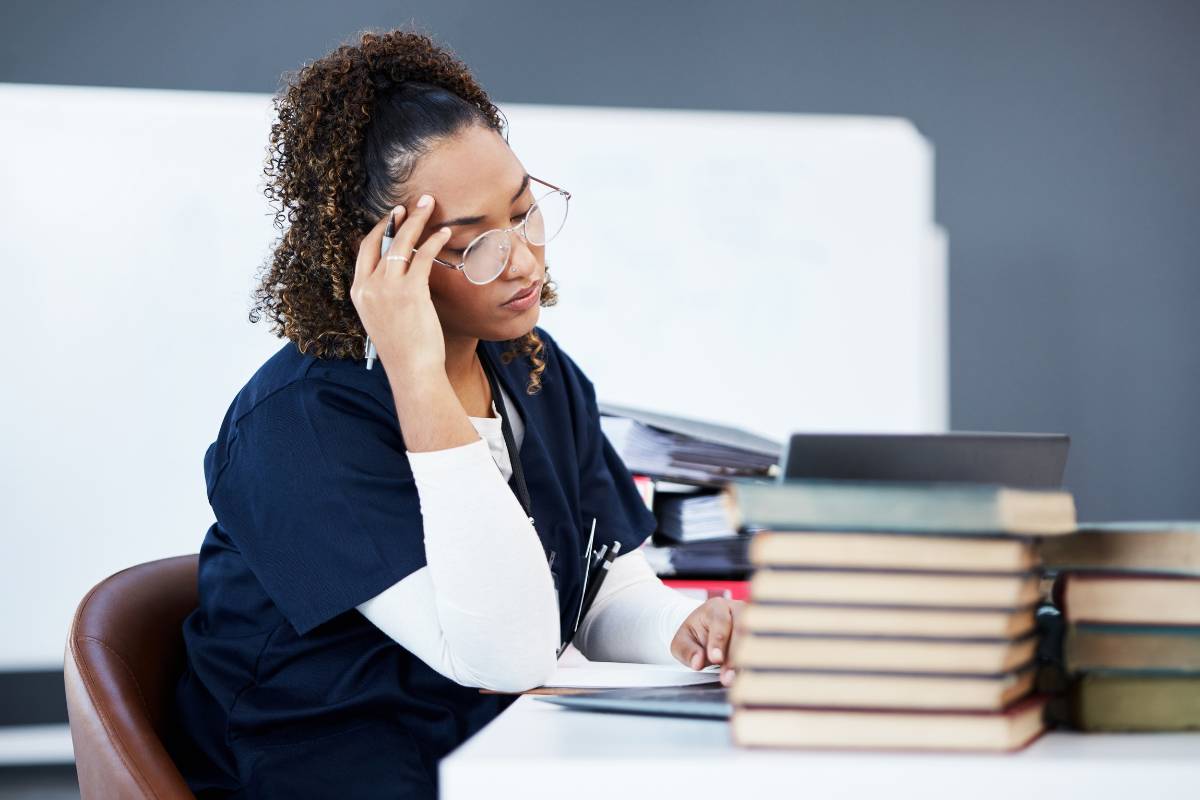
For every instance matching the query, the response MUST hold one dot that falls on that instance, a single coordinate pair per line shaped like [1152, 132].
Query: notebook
[709, 701]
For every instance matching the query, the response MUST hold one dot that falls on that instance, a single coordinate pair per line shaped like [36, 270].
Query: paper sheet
[613, 674]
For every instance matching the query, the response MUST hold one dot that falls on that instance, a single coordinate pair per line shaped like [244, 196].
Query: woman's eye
[516, 218]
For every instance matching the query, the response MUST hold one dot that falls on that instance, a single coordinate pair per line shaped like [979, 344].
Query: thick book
[1168, 547]
[878, 587]
[881, 653]
[949, 623]
[1132, 649]
[1127, 703]
[997, 731]
[869, 690]
[947, 507]
[1123, 598]
[893, 551]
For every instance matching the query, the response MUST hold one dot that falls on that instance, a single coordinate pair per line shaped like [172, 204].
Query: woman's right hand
[392, 297]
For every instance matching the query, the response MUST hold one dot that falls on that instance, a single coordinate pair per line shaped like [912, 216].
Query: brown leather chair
[124, 654]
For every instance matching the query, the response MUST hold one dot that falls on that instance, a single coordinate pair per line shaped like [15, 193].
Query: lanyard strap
[515, 461]
[509, 441]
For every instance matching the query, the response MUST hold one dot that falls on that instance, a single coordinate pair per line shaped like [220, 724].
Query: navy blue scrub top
[288, 690]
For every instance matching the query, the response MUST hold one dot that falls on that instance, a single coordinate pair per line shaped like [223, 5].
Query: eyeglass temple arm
[443, 263]
[551, 185]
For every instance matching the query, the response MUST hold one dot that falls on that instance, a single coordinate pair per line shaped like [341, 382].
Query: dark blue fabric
[289, 691]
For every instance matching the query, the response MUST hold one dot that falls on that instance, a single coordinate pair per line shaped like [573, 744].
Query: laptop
[1029, 460]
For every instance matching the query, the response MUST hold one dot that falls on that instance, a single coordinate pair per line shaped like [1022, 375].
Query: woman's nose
[522, 261]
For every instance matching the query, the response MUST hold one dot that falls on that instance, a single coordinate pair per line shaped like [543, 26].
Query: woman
[390, 540]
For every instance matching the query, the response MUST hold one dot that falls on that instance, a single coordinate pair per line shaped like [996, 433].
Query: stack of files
[687, 450]
[1129, 593]
[693, 517]
[688, 463]
[891, 615]
[695, 537]
[718, 559]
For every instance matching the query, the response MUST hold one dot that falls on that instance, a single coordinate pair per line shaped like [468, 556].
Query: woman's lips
[524, 300]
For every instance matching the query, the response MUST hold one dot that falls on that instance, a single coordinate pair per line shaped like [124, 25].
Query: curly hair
[351, 127]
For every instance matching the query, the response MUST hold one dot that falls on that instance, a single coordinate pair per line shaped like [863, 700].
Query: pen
[388, 234]
[603, 572]
[587, 567]
[596, 558]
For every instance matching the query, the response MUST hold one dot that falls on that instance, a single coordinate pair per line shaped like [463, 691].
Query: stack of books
[1129, 593]
[682, 467]
[891, 615]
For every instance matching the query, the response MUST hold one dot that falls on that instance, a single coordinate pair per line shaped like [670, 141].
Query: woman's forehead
[470, 174]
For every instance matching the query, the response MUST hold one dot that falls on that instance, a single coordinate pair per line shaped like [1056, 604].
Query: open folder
[672, 448]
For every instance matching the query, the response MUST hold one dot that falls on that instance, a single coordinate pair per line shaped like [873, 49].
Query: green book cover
[1135, 703]
[943, 507]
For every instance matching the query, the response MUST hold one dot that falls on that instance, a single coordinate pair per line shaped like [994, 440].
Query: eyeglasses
[487, 255]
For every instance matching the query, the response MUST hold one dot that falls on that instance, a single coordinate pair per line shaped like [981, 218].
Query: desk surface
[544, 750]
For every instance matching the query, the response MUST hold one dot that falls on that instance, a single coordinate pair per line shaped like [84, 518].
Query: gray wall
[1067, 168]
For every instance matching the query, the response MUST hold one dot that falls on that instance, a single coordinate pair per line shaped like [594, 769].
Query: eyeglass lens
[485, 259]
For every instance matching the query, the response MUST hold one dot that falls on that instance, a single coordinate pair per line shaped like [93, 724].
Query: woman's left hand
[706, 636]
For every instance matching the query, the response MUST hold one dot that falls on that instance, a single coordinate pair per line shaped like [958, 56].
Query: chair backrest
[124, 654]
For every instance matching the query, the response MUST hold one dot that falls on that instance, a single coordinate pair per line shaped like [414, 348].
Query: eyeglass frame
[520, 224]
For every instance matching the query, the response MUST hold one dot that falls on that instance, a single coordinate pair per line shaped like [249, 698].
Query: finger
[422, 260]
[727, 674]
[396, 259]
[410, 231]
[397, 216]
[365, 263]
[368, 249]
[738, 609]
[732, 649]
[720, 626]
[689, 651]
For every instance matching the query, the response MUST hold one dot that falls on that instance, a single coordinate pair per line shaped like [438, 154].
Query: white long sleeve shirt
[483, 612]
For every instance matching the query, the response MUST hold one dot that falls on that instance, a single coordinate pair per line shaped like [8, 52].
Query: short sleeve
[320, 500]
[607, 490]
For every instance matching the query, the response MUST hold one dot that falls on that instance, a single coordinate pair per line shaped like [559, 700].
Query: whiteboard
[777, 271]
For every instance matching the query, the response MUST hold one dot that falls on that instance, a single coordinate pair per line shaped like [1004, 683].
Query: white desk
[538, 750]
